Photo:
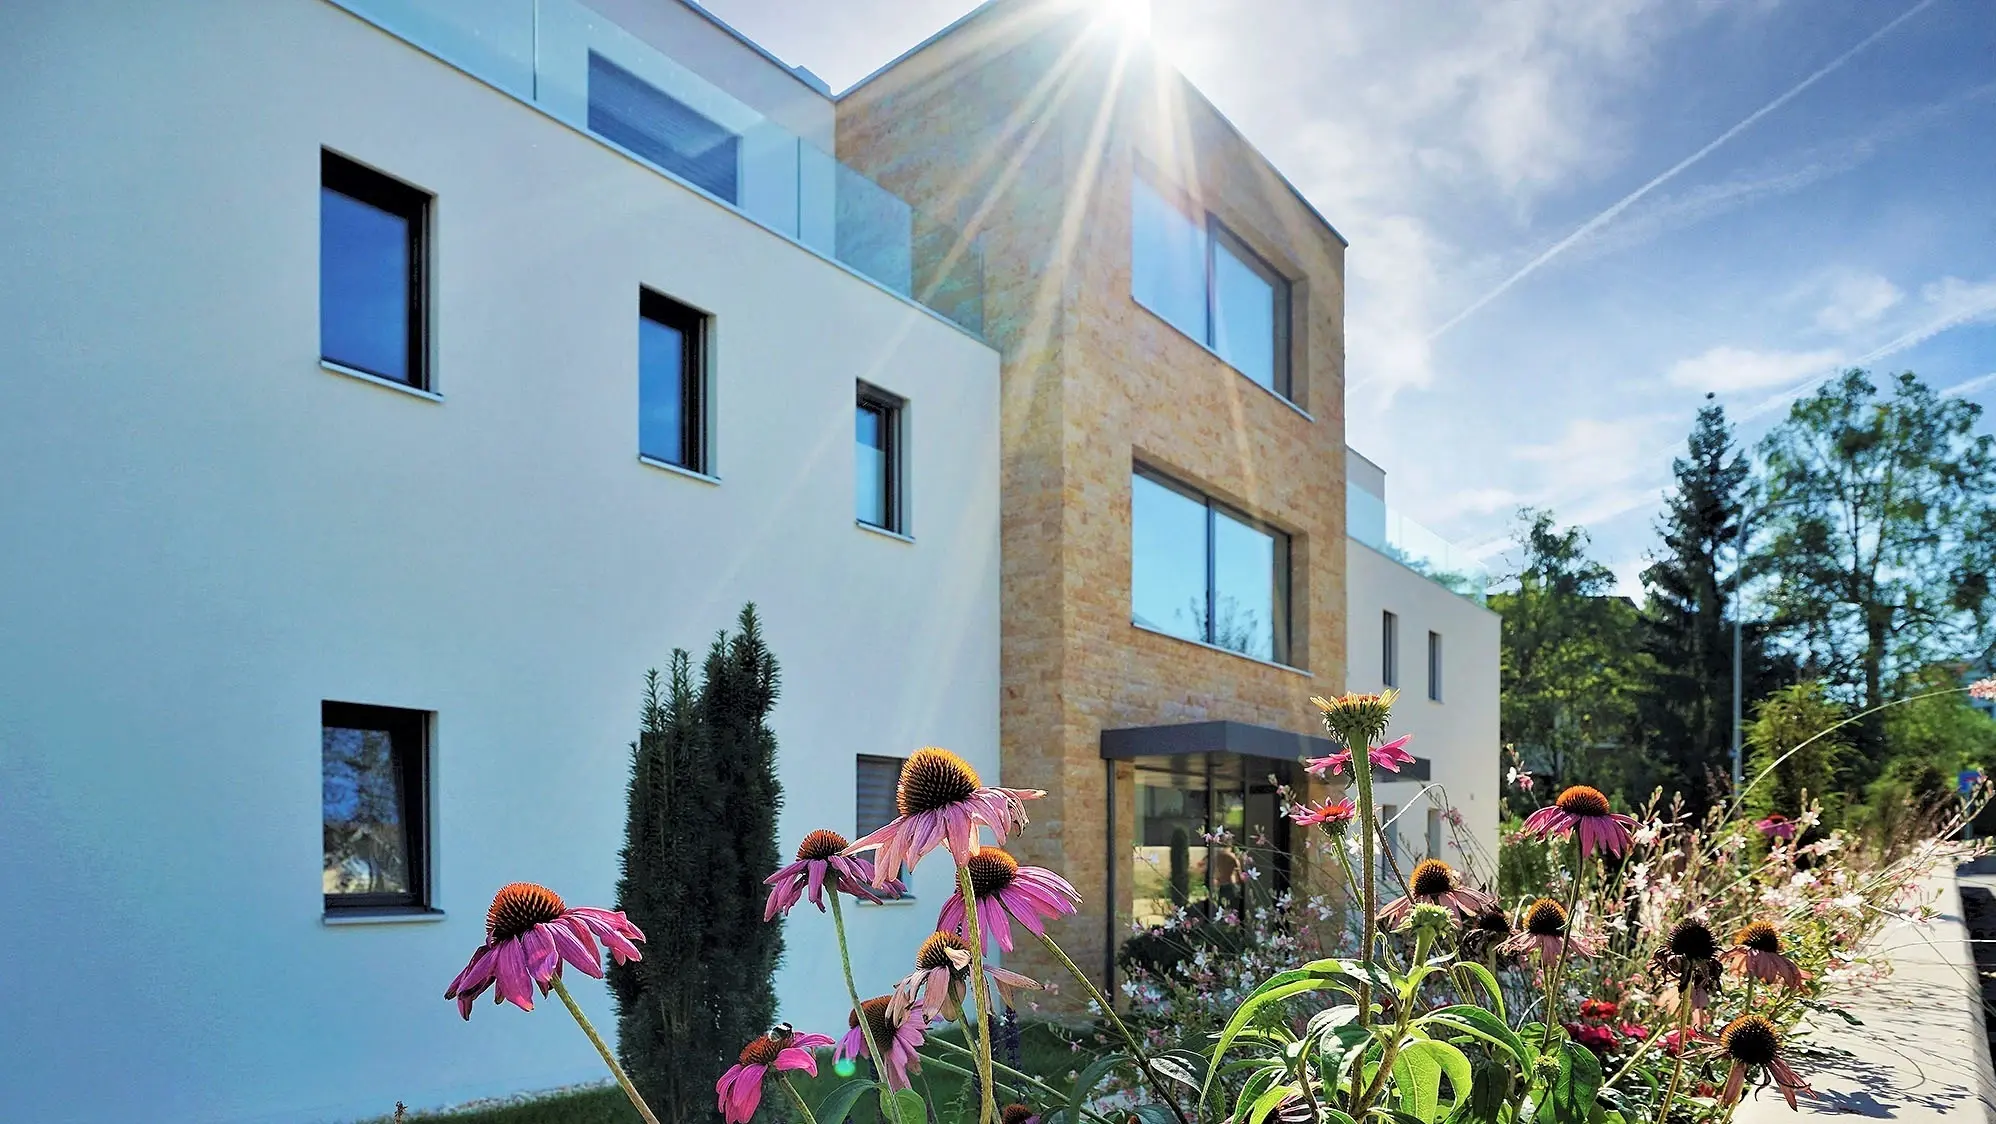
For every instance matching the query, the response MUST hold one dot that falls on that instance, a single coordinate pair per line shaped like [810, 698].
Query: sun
[1131, 17]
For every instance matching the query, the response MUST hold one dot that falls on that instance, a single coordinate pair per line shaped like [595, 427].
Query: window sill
[1304, 672]
[883, 532]
[677, 470]
[377, 380]
[1202, 345]
[381, 917]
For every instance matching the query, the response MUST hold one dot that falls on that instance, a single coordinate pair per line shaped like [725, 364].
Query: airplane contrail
[1629, 200]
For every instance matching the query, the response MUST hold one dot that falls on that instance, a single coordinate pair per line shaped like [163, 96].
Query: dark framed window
[1389, 649]
[1203, 571]
[877, 460]
[664, 130]
[1435, 666]
[374, 803]
[672, 382]
[373, 266]
[1204, 280]
[874, 806]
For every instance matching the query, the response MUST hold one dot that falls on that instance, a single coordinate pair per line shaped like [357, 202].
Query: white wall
[1458, 735]
[203, 534]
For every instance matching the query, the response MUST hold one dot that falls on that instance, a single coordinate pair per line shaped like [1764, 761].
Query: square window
[374, 802]
[373, 235]
[672, 382]
[1389, 650]
[1204, 572]
[1435, 835]
[878, 780]
[1435, 666]
[877, 460]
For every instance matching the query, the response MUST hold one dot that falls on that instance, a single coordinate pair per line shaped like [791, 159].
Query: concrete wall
[1024, 126]
[1458, 735]
[206, 534]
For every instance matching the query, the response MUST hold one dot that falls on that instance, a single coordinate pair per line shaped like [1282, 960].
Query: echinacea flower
[529, 932]
[1332, 815]
[1007, 892]
[1756, 952]
[941, 802]
[1485, 933]
[899, 1037]
[740, 1089]
[1435, 882]
[941, 979]
[1688, 959]
[1984, 689]
[1751, 1040]
[1389, 757]
[1586, 809]
[1357, 719]
[1546, 928]
[1018, 1114]
[820, 858]
[1776, 826]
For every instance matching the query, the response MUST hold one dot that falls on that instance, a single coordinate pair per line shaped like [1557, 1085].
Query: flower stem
[1422, 942]
[1016, 1079]
[1565, 947]
[1361, 771]
[1129, 1037]
[803, 1109]
[873, 1053]
[609, 1058]
[1683, 1047]
[988, 1108]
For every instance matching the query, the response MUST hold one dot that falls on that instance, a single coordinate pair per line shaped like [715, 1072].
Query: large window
[373, 232]
[374, 801]
[1204, 572]
[662, 129]
[878, 778]
[877, 442]
[1206, 282]
[672, 377]
[1210, 835]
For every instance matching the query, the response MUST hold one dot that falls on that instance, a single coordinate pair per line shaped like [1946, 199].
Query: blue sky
[1572, 218]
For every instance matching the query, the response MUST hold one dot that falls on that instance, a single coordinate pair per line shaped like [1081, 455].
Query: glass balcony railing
[1370, 521]
[580, 68]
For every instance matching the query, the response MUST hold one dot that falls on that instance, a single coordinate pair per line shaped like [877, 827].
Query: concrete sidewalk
[1923, 1051]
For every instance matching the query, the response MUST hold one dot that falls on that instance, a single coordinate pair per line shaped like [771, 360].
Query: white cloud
[1857, 300]
[1727, 369]
[1969, 386]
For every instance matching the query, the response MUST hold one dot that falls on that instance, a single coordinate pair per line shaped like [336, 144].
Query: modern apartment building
[388, 384]
[1170, 313]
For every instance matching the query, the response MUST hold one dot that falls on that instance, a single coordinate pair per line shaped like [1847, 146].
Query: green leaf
[1263, 998]
[1085, 1084]
[905, 1106]
[1335, 1115]
[1490, 1088]
[1265, 1104]
[1489, 981]
[1166, 1066]
[1153, 1114]
[1570, 1100]
[838, 1103]
[1418, 1070]
[1257, 1083]
[1482, 1024]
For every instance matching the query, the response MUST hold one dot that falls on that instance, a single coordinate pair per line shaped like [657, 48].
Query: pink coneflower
[941, 979]
[1356, 718]
[1007, 892]
[740, 1089]
[529, 931]
[1389, 757]
[1756, 952]
[1434, 882]
[820, 858]
[1483, 934]
[1586, 809]
[1018, 1114]
[1332, 815]
[1545, 931]
[1751, 1040]
[1777, 826]
[900, 1035]
[1689, 958]
[942, 802]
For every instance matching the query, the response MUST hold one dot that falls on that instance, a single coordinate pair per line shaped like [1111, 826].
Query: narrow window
[1202, 571]
[877, 442]
[374, 799]
[1434, 833]
[878, 778]
[1205, 281]
[1250, 312]
[664, 130]
[1435, 666]
[373, 234]
[1389, 649]
[1389, 834]
[672, 378]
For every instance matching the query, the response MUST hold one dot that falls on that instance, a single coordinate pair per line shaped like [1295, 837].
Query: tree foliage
[1783, 777]
[700, 834]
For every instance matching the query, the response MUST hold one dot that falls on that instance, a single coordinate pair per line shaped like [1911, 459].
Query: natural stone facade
[1024, 125]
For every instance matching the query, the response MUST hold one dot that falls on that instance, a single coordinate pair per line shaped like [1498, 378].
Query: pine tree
[1686, 630]
[700, 835]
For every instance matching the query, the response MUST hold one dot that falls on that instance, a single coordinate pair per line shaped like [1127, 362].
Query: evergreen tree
[700, 835]
[1686, 631]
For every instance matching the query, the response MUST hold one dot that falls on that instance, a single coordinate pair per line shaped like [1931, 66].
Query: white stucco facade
[204, 534]
[1458, 733]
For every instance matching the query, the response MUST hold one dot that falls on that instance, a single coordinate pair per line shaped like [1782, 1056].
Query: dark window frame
[412, 204]
[693, 327]
[1389, 648]
[1285, 551]
[889, 407]
[1434, 666]
[412, 763]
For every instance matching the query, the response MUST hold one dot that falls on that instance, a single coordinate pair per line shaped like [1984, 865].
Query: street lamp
[1739, 572]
